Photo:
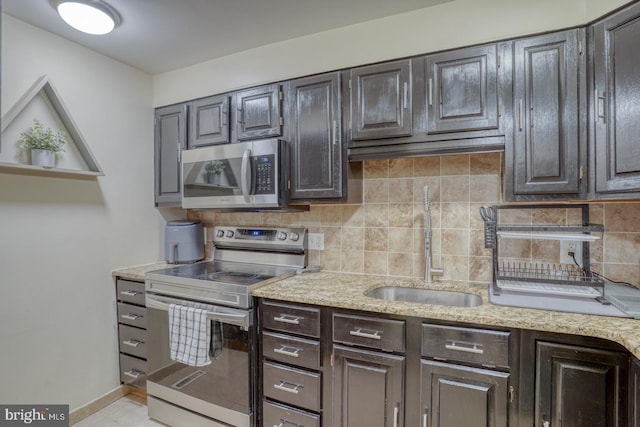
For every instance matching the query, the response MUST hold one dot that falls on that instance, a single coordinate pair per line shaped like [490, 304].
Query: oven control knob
[230, 234]
[281, 235]
[220, 233]
[294, 237]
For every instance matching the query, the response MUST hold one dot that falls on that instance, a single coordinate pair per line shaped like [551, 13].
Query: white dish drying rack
[543, 278]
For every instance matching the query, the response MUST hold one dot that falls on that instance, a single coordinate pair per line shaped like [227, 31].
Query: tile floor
[124, 412]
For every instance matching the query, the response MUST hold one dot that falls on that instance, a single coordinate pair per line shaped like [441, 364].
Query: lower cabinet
[368, 388]
[635, 393]
[132, 332]
[580, 386]
[455, 396]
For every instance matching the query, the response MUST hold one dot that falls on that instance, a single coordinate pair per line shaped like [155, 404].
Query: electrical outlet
[316, 241]
[567, 246]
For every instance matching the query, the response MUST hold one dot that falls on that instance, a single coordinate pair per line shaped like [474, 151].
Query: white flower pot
[44, 158]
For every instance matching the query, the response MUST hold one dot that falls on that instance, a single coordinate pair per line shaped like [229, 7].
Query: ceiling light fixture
[89, 16]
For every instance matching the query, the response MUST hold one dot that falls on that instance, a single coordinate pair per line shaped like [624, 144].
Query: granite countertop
[342, 290]
[138, 272]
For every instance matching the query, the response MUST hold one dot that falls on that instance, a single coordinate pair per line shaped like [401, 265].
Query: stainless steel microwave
[249, 175]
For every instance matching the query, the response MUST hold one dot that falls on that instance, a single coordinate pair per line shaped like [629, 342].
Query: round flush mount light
[89, 16]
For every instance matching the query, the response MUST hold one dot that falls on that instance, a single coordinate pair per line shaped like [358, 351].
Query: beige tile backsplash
[385, 234]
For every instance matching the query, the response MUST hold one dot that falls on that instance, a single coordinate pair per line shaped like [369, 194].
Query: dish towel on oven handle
[189, 335]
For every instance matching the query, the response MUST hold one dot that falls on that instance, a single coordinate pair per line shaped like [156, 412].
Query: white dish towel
[189, 335]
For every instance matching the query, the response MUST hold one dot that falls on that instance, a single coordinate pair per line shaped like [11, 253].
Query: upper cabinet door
[209, 121]
[170, 140]
[615, 100]
[462, 90]
[381, 100]
[314, 116]
[258, 113]
[547, 153]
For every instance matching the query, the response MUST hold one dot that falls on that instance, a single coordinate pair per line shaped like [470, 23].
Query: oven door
[222, 390]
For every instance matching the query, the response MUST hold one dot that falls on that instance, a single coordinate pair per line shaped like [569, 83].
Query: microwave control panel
[265, 169]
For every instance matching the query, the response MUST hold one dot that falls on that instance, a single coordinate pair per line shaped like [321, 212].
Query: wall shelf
[20, 169]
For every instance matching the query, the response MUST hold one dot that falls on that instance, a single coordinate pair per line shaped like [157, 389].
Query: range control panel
[276, 239]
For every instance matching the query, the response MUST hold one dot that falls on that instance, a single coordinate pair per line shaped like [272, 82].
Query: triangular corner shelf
[43, 85]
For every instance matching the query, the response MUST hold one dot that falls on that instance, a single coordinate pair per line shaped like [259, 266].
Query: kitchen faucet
[430, 270]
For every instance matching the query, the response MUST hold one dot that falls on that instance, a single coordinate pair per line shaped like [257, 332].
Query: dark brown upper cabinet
[381, 101]
[462, 90]
[209, 121]
[258, 112]
[548, 150]
[614, 104]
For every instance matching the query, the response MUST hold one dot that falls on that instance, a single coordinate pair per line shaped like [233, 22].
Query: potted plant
[213, 171]
[43, 143]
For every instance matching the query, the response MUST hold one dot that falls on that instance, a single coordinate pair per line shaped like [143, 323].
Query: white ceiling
[162, 35]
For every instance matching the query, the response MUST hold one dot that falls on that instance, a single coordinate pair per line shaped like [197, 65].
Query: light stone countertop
[347, 291]
[138, 272]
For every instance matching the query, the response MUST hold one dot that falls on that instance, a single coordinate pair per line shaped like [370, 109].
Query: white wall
[60, 238]
[454, 24]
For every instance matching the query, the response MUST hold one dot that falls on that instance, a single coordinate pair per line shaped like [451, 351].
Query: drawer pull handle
[131, 316]
[130, 293]
[284, 350]
[284, 422]
[283, 387]
[375, 335]
[285, 318]
[132, 343]
[473, 348]
[133, 373]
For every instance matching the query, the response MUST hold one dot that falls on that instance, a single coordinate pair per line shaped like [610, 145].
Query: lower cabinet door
[580, 386]
[457, 396]
[368, 388]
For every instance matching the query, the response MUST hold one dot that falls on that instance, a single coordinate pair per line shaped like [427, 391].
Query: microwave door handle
[245, 178]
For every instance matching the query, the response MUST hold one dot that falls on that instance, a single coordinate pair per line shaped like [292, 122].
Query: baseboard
[101, 402]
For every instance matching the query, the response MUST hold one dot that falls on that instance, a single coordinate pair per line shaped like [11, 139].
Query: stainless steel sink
[425, 296]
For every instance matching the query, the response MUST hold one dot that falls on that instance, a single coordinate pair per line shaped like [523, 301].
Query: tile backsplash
[385, 234]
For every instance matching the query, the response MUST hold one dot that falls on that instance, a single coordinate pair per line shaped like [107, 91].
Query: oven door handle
[237, 317]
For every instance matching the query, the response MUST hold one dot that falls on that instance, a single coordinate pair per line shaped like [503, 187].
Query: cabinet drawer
[385, 334]
[296, 351]
[280, 415]
[299, 388]
[133, 341]
[291, 318]
[478, 346]
[133, 371]
[130, 291]
[133, 315]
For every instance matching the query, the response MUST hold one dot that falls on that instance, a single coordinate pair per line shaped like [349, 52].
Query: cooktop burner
[237, 277]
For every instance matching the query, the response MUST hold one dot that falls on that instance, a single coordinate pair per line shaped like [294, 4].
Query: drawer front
[133, 341]
[478, 346]
[291, 318]
[130, 291]
[296, 351]
[280, 415]
[385, 334]
[288, 385]
[133, 371]
[133, 315]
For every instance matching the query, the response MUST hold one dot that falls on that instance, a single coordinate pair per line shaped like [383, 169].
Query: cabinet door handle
[284, 318]
[546, 424]
[240, 116]
[520, 114]
[179, 153]
[430, 91]
[132, 343]
[468, 348]
[131, 316]
[130, 293]
[597, 97]
[283, 387]
[375, 335]
[396, 415]
[406, 95]
[334, 133]
[283, 350]
[425, 417]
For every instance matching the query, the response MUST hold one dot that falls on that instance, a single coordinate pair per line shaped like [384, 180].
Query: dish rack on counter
[541, 277]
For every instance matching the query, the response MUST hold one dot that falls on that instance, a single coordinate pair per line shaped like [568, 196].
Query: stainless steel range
[221, 392]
